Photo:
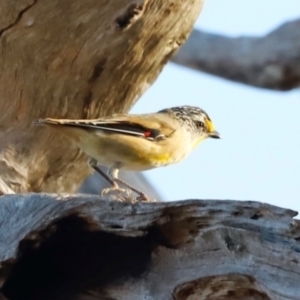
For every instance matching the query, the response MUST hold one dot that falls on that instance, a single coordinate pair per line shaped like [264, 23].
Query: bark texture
[271, 61]
[75, 59]
[82, 247]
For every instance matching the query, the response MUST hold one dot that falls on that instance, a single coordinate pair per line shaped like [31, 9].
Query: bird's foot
[115, 188]
[143, 197]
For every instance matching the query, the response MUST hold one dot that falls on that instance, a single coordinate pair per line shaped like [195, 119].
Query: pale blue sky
[258, 156]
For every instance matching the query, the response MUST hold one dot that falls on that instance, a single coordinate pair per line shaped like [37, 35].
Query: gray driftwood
[82, 247]
[271, 61]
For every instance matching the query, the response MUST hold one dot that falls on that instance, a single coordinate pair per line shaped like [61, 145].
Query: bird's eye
[199, 124]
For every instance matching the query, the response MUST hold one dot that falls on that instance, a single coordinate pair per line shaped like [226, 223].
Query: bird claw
[127, 192]
[143, 197]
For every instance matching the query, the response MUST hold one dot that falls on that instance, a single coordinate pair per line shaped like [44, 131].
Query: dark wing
[126, 127]
[113, 126]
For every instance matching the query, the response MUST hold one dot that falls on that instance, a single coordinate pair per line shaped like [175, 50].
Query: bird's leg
[114, 171]
[93, 164]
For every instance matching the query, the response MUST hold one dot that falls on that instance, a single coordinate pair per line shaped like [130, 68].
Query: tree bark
[75, 59]
[82, 247]
[271, 61]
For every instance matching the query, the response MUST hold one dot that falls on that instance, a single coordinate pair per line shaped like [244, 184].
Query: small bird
[137, 142]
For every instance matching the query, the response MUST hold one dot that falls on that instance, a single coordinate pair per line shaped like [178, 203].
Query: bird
[136, 142]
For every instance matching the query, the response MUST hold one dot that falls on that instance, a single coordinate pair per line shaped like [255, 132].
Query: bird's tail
[69, 128]
[53, 122]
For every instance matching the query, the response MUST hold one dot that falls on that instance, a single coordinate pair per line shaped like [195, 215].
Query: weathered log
[271, 61]
[76, 59]
[82, 247]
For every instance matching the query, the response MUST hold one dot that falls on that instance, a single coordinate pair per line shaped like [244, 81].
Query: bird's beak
[214, 134]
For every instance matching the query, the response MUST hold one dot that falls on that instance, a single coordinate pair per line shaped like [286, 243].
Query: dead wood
[82, 247]
[271, 61]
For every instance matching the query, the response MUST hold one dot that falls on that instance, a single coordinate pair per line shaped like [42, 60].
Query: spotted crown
[189, 115]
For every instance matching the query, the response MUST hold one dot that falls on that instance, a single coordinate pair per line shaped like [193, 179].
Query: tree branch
[82, 247]
[271, 62]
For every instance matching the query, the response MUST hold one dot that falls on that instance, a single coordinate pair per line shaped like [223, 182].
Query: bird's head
[196, 120]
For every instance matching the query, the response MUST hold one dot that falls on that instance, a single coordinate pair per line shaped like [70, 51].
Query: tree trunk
[75, 59]
[82, 247]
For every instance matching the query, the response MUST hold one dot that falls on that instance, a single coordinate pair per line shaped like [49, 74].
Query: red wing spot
[147, 133]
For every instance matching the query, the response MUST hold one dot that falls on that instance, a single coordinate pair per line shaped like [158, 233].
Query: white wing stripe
[119, 130]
